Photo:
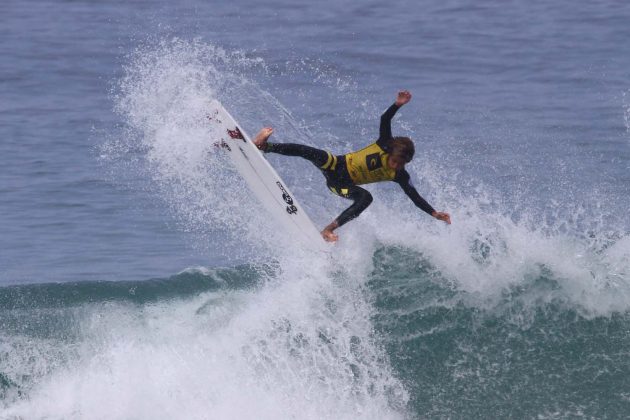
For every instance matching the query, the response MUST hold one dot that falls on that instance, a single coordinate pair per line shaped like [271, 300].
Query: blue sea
[140, 279]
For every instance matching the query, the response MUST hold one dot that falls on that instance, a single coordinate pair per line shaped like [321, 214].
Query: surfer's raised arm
[385, 129]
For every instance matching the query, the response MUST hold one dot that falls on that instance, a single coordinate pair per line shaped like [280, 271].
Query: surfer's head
[402, 151]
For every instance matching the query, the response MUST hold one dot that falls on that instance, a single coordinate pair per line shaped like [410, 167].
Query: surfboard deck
[263, 180]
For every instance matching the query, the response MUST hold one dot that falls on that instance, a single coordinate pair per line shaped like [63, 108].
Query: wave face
[530, 353]
[237, 343]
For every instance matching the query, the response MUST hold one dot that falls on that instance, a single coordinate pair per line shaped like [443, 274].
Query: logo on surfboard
[236, 134]
[214, 117]
[291, 209]
[222, 145]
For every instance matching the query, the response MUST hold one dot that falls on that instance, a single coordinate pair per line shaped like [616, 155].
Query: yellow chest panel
[369, 165]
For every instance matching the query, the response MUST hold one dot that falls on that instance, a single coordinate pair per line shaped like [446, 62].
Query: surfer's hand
[445, 217]
[404, 96]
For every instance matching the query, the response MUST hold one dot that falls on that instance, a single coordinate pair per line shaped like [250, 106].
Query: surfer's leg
[317, 156]
[361, 197]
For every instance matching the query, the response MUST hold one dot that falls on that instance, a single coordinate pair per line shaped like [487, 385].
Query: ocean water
[139, 279]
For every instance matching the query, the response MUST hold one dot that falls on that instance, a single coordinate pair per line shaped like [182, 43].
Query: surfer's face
[396, 162]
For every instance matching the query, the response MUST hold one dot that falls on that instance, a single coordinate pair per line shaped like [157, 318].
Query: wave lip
[189, 282]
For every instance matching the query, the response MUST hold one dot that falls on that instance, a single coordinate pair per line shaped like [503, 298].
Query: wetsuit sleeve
[402, 178]
[385, 130]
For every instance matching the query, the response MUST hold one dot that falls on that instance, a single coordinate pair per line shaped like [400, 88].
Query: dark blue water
[173, 296]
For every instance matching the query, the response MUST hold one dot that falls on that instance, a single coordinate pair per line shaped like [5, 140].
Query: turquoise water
[419, 348]
[138, 279]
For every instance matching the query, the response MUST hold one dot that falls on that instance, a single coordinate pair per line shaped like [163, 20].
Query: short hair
[403, 147]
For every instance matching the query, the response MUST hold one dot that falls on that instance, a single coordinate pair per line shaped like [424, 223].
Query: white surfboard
[263, 180]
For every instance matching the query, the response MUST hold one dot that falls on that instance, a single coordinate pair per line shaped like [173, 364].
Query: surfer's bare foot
[328, 233]
[261, 138]
[329, 236]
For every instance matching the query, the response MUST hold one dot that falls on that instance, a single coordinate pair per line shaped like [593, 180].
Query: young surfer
[383, 160]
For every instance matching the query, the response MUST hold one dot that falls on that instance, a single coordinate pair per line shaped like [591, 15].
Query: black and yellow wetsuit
[344, 173]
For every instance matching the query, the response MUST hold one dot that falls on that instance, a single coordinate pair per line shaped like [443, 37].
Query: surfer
[383, 160]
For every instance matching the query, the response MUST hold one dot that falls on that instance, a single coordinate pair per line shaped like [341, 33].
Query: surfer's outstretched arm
[403, 179]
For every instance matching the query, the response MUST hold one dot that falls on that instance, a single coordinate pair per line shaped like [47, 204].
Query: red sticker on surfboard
[236, 134]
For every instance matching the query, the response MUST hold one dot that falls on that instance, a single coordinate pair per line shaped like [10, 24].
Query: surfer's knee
[368, 198]
[364, 198]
